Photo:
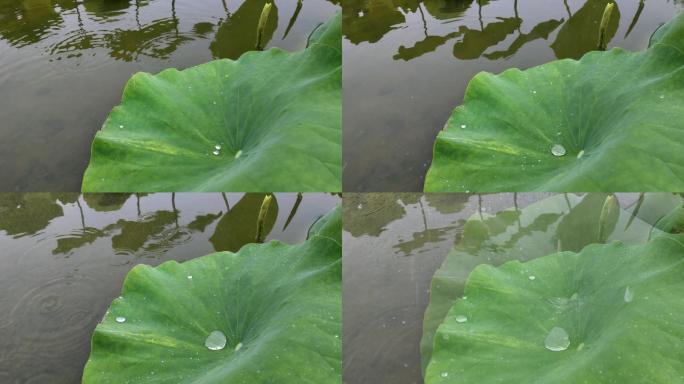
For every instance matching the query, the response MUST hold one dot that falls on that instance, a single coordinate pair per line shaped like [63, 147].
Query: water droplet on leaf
[238, 346]
[238, 154]
[216, 341]
[461, 319]
[629, 295]
[558, 150]
[120, 319]
[557, 340]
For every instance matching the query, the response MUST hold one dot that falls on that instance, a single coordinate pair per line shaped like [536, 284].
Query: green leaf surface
[558, 223]
[616, 114]
[275, 115]
[620, 306]
[278, 305]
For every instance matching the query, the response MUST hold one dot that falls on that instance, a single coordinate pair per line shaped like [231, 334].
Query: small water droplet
[217, 147]
[461, 319]
[120, 126]
[444, 374]
[216, 341]
[662, 97]
[629, 295]
[238, 154]
[463, 126]
[580, 154]
[557, 340]
[120, 319]
[189, 277]
[216, 153]
[361, 14]
[558, 150]
[532, 277]
[238, 346]
[535, 92]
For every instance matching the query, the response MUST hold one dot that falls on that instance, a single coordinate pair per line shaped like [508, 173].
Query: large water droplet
[461, 319]
[120, 319]
[629, 295]
[558, 150]
[557, 340]
[216, 341]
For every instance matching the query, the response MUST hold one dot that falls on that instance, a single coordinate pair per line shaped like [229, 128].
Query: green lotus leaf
[270, 121]
[560, 222]
[611, 121]
[610, 314]
[278, 306]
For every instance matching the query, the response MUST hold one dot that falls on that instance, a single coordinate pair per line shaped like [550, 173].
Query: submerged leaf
[270, 121]
[267, 314]
[609, 314]
[611, 121]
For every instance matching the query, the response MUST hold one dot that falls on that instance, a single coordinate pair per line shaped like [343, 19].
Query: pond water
[64, 63]
[407, 63]
[64, 258]
[394, 243]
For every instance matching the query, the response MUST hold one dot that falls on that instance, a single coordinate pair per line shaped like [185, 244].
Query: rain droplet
[463, 126]
[531, 277]
[361, 13]
[558, 150]
[121, 126]
[189, 277]
[629, 295]
[216, 341]
[217, 147]
[557, 340]
[580, 154]
[216, 153]
[461, 319]
[238, 154]
[445, 374]
[238, 346]
[662, 97]
[120, 319]
[535, 92]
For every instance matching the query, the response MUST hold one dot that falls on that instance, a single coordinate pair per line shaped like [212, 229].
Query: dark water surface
[64, 258]
[64, 63]
[393, 244]
[407, 63]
